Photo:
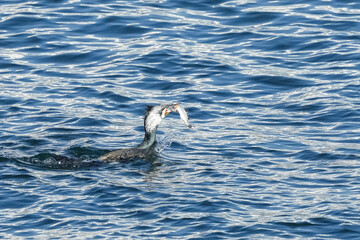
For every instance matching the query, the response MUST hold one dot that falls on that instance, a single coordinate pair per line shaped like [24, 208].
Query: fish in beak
[182, 112]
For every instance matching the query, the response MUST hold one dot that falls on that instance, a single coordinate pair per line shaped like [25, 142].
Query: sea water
[273, 88]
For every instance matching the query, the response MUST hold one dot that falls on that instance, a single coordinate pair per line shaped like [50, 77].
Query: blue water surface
[272, 87]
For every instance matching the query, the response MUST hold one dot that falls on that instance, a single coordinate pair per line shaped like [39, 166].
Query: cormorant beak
[169, 109]
[165, 112]
[174, 106]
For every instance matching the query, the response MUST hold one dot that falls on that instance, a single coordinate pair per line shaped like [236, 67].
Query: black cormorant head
[155, 114]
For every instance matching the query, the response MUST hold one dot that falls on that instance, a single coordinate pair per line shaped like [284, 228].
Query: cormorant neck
[149, 139]
[151, 122]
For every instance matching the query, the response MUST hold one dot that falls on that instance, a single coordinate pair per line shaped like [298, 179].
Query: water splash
[169, 137]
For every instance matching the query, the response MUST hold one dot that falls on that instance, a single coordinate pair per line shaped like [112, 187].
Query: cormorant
[153, 117]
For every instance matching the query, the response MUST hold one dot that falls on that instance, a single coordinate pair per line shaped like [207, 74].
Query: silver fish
[183, 115]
